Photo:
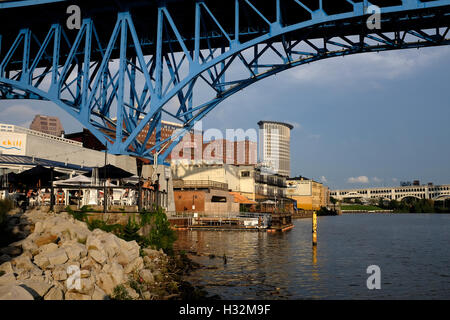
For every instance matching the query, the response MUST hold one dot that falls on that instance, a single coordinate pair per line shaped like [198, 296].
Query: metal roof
[30, 161]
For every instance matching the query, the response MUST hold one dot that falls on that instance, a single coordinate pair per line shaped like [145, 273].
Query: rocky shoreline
[59, 258]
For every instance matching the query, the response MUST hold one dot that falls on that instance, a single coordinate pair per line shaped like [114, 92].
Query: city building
[88, 140]
[250, 181]
[22, 142]
[204, 197]
[222, 151]
[309, 194]
[429, 191]
[275, 149]
[48, 125]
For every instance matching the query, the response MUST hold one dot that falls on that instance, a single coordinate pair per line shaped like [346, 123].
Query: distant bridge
[133, 63]
[430, 192]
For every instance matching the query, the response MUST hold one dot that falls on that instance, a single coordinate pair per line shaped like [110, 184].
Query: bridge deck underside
[121, 72]
[39, 18]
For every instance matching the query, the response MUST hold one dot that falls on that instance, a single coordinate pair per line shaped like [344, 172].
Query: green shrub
[102, 225]
[161, 235]
[120, 293]
[78, 215]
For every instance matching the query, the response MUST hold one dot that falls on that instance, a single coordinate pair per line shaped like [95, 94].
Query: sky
[367, 120]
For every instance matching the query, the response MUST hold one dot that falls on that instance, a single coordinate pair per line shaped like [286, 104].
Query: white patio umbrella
[76, 181]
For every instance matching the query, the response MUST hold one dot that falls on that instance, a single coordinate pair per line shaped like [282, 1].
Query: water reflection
[411, 250]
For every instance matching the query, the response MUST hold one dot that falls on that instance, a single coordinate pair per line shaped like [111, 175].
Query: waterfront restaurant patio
[35, 187]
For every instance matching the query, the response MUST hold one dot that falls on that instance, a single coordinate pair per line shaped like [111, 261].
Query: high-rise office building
[46, 124]
[275, 148]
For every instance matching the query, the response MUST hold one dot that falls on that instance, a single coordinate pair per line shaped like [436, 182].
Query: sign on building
[13, 143]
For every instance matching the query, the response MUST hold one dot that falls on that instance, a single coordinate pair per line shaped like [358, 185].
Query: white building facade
[275, 146]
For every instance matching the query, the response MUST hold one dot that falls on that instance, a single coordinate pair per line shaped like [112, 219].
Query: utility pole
[105, 196]
[52, 190]
[139, 165]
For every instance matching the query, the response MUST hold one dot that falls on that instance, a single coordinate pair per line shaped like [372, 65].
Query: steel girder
[122, 99]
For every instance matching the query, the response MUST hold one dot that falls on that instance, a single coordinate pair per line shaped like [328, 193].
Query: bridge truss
[129, 67]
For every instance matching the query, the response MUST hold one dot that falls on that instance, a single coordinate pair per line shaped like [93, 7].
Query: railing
[13, 128]
[199, 184]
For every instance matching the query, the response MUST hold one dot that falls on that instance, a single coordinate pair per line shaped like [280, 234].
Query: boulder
[29, 246]
[79, 233]
[98, 256]
[147, 295]
[150, 252]
[46, 239]
[7, 267]
[14, 292]
[38, 227]
[85, 273]
[132, 293]
[54, 294]
[23, 262]
[37, 288]
[136, 265]
[57, 257]
[7, 279]
[48, 248]
[77, 296]
[99, 294]
[59, 274]
[116, 272]
[105, 282]
[41, 260]
[146, 276]
[75, 251]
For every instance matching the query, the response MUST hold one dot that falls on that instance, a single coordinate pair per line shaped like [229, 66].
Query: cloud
[377, 180]
[323, 179]
[370, 67]
[360, 179]
[18, 114]
[296, 125]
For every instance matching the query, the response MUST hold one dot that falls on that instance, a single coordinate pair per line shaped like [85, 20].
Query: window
[245, 174]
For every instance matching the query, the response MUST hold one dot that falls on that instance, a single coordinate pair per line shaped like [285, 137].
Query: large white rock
[98, 256]
[14, 292]
[77, 296]
[7, 267]
[99, 294]
[136, 265]
[116, 272]
[54, 294]
[79, 233]
[23, 262]
[59, 274]
[39, 288]
[7, 279]
[41, 260]
[105, 282]
[48, 248]
[57, 257]
[75, 251]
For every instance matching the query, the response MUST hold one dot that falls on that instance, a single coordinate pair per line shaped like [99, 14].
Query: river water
[412, 251]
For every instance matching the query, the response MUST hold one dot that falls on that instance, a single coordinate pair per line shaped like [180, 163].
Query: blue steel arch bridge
[133, 63]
